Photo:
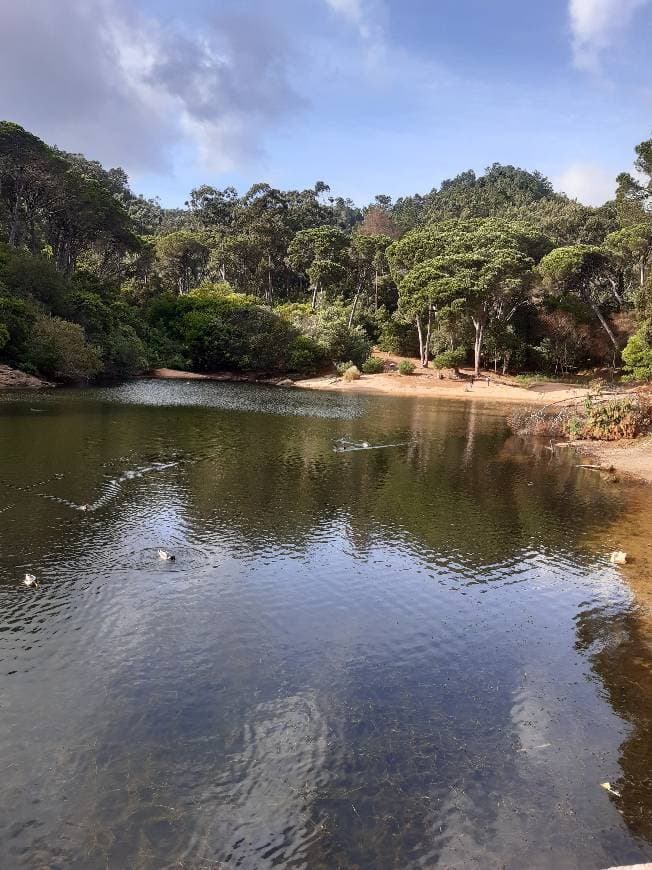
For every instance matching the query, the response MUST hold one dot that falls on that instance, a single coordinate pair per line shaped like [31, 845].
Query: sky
[370, 96]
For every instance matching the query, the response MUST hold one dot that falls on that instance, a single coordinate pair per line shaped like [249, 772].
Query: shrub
[450, 359]
[124, 353]
[233, 332]
[637, 357]
[352, 374]
[59, 349]
[304, 355]
[342, 367]
[398, 337]
[373, 366]
[615, 419]
[600, 419]
[405, 367]
[17, 318]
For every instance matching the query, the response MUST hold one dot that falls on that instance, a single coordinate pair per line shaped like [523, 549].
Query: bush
[398, 337]
[600, 418]
[342, 367]
[616, 419]
[637, 357]
[58, 349]
[352, 374]
[124, 353]
[233, 332]
[16, 319]
[373, 366]
[405, 367]
[450, 359]
[304, 355]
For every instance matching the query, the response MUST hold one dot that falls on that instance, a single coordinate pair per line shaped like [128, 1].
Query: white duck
[30, 581]
[165, 556]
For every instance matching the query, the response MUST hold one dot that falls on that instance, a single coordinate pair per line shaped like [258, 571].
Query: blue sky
[371, 96]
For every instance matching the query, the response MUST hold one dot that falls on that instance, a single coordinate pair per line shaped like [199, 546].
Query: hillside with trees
[498, 271]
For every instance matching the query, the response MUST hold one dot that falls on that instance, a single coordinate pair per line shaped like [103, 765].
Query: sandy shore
[490, 388]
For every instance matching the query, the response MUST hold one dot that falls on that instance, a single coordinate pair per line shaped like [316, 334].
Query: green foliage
[405, 367]
[564, 344]
[375, 365]
[304, 355]
[293, 280]
[124, 354]
[450, 359]
[637, 357]
[398, 336]
[17, 318]
[58, 349]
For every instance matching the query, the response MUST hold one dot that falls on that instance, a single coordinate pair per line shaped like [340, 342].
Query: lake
[399, 656]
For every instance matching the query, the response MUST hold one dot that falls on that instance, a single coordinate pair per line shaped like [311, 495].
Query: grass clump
[351, 374]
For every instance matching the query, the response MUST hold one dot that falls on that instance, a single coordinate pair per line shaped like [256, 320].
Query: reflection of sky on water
[384, 658]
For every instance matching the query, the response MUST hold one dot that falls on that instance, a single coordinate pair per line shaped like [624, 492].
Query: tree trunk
[477, 350]
[353, 308]
[420, 332]
[376, 289]
[604, 324]
[315, 289]
[424, 361]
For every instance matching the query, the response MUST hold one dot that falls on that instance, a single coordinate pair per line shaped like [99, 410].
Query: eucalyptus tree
[182, 257]
[320, 256]
[369, 268]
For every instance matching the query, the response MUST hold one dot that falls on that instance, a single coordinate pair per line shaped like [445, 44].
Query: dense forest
[498, 271]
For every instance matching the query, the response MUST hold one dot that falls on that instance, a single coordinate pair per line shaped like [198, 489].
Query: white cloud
[595, 24]
[366, 16]
[125, 88]
[589, 183]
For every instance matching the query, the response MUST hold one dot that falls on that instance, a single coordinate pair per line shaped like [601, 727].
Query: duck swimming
[30, 581]
[168, 557]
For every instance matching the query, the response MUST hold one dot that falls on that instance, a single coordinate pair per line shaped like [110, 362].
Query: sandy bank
[426, 383]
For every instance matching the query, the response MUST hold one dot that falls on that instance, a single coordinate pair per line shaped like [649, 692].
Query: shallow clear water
[411, 656]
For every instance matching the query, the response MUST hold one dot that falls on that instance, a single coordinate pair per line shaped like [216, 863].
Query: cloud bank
[595, 25]
[587, 182]
[94, 75]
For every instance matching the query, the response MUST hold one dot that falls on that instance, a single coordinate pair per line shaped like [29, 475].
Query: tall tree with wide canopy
[585, 271]
[486, 266]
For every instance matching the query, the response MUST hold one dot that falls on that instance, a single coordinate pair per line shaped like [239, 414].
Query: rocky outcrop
[14, 379]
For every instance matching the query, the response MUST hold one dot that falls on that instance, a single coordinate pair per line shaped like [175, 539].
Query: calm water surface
[412, 656]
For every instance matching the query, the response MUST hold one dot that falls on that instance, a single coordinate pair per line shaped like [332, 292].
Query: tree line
[496, 270]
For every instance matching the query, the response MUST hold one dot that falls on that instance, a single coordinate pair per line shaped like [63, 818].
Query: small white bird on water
[168, 557]
[30, 581]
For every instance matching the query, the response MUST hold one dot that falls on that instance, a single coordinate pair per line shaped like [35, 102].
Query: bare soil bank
[14, 379]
